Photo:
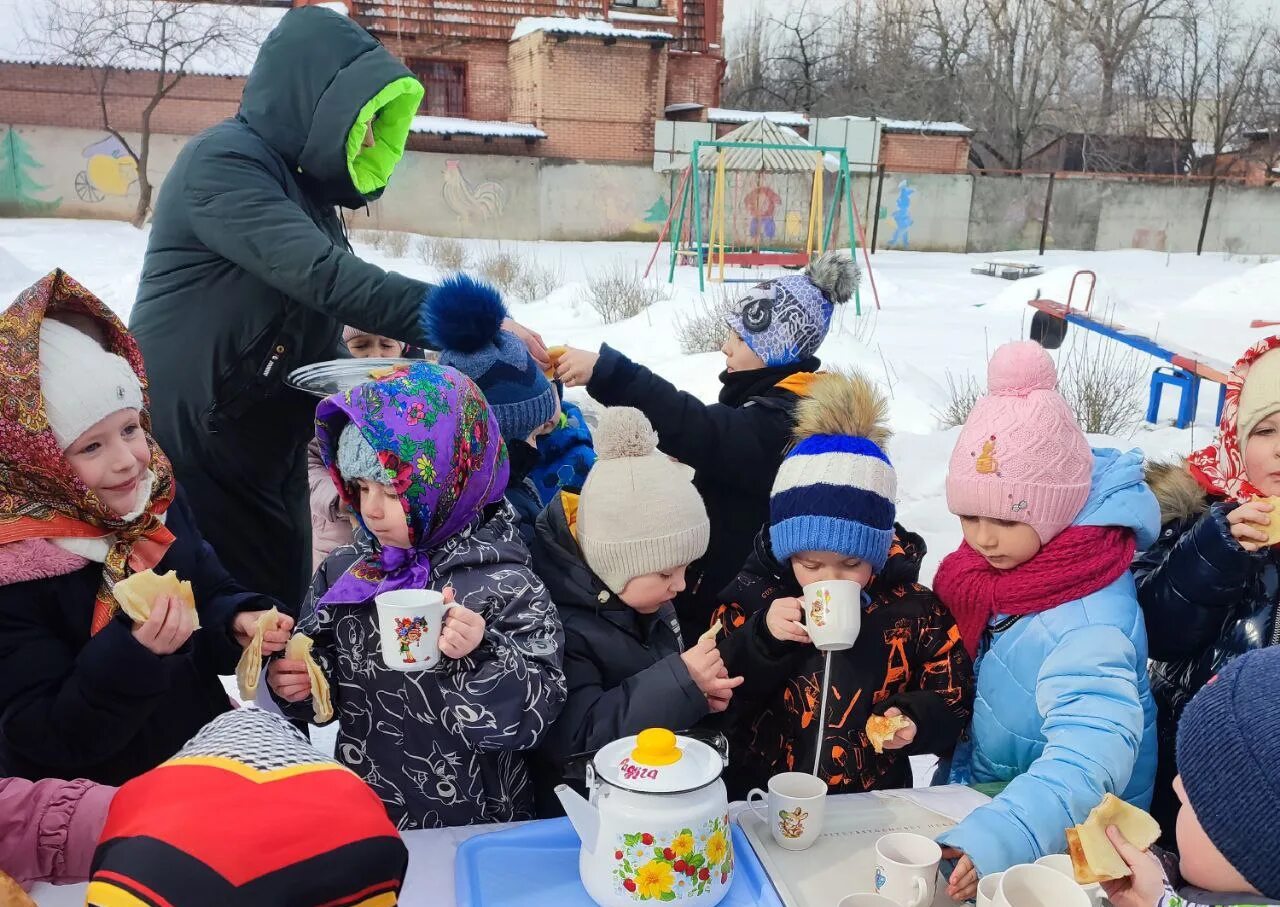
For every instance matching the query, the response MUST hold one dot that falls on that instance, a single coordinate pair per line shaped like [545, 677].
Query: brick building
[579, 79]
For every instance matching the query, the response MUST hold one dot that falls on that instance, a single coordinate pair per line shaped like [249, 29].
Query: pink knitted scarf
[1078, 562]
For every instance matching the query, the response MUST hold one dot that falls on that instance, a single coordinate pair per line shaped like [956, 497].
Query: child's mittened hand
[783, 621]
[903, 736]
[289, 679]
[707, 670]
[463, 630]
[245, 625]
[575, 367]
[1247, 522]
[963, 884]
[1142, 889]
[168, 628]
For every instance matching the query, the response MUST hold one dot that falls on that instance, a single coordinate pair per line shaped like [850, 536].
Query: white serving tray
[842, 861]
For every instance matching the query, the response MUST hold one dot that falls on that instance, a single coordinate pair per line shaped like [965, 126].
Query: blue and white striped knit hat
[835, 490]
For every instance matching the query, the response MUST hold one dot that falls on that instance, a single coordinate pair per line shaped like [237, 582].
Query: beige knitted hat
[639, 512]
[1260, 395]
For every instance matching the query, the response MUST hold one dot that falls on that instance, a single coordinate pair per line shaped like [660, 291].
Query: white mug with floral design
[793, 808]
[833, 613]
[409, 623]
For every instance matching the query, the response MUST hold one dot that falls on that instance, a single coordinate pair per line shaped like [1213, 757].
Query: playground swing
[742, 219]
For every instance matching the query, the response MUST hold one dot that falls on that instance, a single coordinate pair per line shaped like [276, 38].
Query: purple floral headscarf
[440, 445]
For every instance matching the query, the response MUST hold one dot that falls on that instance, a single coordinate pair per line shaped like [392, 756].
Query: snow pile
[556, 25]
[933, 126]
[75, 34]
[463, 126]
[1216, 320]
[780, 117]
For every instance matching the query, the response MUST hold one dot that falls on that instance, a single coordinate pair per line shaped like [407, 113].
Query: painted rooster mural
[472, 202]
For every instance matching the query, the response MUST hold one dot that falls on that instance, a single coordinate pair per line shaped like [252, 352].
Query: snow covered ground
[936, 319]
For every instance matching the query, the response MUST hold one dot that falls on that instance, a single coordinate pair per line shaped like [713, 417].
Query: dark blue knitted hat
[1229, 760]
[835, 490]
[464, 319]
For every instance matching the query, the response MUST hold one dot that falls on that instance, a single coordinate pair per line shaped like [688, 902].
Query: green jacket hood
[319, 81]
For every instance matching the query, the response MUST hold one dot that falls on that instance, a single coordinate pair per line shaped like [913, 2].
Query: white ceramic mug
[793, 808]
[988, 886]
[833, 613]
[1060, 862]
[409, 622]
[1038, 886]
[865, 900]
[907, 868]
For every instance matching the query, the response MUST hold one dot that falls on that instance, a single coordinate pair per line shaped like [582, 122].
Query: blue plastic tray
[537, 864]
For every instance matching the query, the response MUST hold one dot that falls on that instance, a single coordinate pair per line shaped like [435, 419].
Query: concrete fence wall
[62, 172]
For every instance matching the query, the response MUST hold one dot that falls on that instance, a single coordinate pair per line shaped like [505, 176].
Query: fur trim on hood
[32, 559]
[1180, 495]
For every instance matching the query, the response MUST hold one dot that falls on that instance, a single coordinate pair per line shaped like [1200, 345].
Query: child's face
[651, 591]
[112, 459]
[374, 346]
[1200, 862]
[1004, 543]
[819, 566]
[739, 357]
[1262, 455]
[383, 514]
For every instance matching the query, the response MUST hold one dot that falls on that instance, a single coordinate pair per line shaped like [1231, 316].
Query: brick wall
[488, 85]
[594, 101]
[68, 96]
[694, 78]
[931, 153]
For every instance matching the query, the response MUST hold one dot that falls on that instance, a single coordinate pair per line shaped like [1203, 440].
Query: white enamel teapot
[656, 827]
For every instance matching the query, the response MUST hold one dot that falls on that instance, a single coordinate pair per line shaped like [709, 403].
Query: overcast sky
[738, 11]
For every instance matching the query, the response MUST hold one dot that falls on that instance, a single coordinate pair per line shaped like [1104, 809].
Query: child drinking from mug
[420, 458]
[832, 518]
[1041, 591]
[1229, 788]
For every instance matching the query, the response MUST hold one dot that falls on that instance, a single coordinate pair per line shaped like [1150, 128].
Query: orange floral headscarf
[41, 497]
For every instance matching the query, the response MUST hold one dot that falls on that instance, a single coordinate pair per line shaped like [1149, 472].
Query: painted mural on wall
[473, 203]
[761, 204]
[18, 188]
[902, 220]
[109, 171]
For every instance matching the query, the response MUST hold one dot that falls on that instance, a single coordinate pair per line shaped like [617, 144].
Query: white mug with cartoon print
[907, 868]
[409, 623]
[793, 808]
[833, 613]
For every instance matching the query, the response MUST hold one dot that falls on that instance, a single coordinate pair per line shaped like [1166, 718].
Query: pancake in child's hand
[1093, 856]
[12, 895]
[880, 729]
[249, 668]
[713, 632]
[1273, 531]
[299, 649]
[137, 593]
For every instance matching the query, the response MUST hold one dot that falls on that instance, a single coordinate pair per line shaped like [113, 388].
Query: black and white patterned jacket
[446, 746]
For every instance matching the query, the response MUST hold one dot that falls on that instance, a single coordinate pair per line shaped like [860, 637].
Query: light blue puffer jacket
[1064, 710]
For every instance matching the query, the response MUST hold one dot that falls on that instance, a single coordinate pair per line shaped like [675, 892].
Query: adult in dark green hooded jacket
[248, 275]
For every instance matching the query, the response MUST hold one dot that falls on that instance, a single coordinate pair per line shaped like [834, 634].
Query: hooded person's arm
[1087, 693]
[508, 691]
[239, 209]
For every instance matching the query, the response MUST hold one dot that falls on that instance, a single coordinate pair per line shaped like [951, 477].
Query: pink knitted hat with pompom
[1021, 456]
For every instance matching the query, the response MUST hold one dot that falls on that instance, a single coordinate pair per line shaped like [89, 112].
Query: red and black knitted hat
[248, 813]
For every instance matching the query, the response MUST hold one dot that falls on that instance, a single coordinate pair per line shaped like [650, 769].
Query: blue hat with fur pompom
[464, 319]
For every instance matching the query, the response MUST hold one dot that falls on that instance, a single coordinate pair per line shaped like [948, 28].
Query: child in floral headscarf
[86, 499]
[420, 458]
[1210, 587]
